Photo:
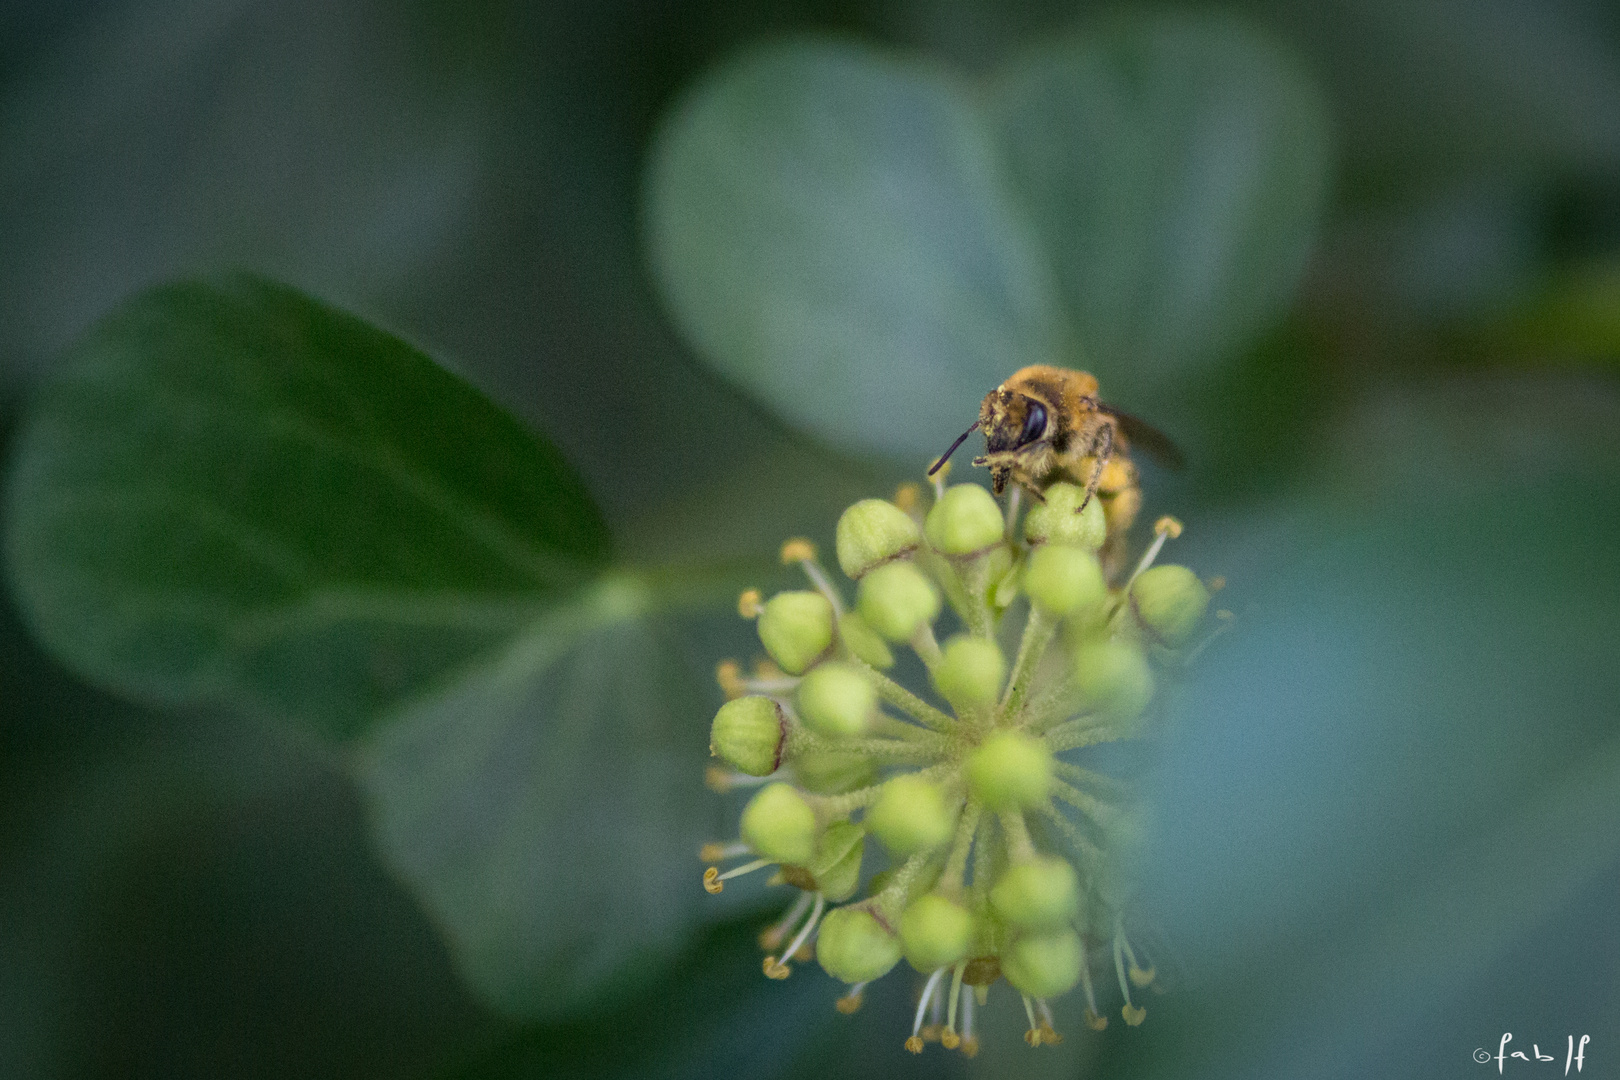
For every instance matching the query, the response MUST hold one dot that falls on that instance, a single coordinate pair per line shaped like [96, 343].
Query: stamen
[926, 647]
[772, 936]
[798, 549]
[906, 496]
[915, 1043]
[1163, 529]
[850, 1003]
[1094, 1020]
[713, 853]
[1141, 977]
[745, 868]
[1032, 1037]
[970, 1041]
[749, 603]
[949, 1037]
[728, 673]
[792, 950]
[801, 551]
[1049, 1033]
[1134, 1014]
[938, 479]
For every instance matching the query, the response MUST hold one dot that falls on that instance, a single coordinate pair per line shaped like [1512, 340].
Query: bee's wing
[1149, 438]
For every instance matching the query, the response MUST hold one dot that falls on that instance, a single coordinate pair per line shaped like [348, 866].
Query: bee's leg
[1102, 448]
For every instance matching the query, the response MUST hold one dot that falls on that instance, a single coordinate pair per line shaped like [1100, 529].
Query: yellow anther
[1134, 1014]
[771, 937]
[1049, 1035]
[930, 1033]
[1033, 1036]
[728, 673]
[766, 670]
[711, 880]
[906, 497]
[1141, 976]
[775, 970]
[1167, 526]
[850, 1003]
[1095, 1022]
[970, 1046]
[717, 779]
[915, 1044]
[748, 604]
[806, 953]
[798, 549]
[949, 1039]
[711, 853]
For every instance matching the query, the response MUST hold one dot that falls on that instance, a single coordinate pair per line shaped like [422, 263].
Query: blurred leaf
[549, 807]
[1576, 317]
[234, 494]
[1175, 167]
[829, 228]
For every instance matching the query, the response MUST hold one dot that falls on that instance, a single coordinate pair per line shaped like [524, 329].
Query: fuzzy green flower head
[1004, 851]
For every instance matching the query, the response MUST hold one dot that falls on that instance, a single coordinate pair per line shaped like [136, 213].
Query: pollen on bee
[798, 549]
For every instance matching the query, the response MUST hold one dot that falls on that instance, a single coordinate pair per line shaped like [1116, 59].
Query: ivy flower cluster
[1006, 860]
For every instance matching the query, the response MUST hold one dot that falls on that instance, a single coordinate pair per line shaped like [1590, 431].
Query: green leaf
[233, 494]
[549, 807]
[1175, 166]
[867, 245]
[829, 228]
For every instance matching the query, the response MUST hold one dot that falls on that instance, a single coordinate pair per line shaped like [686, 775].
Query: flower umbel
[1007, 860]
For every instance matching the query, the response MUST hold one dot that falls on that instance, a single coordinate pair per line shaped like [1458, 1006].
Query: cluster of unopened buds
[1007, 857]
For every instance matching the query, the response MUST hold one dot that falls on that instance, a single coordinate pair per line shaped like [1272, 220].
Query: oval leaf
[235, 494]
[828, 228]
[1175, 167]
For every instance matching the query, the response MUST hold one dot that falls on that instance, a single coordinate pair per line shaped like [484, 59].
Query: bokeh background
[1389, 825]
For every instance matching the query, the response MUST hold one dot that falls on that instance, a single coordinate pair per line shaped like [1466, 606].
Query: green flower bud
[872, 532]
[864, 642]
[1044, 965]
[832, 772]
[748, 733]
[935, 932]
[836, 865]
[779, 825]
[1041, 894]
[911, 815]
[896, 599]
[1062, 580]
[836, 700]
[1010, 770]
[796, 628]
[964, 521]
[1113, 677]
[854, 946]
[970, 672]
[1168, 601]
[1056, 522]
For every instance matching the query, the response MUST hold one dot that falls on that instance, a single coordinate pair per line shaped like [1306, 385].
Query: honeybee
[1046, 424]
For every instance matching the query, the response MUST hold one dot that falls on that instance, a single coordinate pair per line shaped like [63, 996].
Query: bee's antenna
[947, 455]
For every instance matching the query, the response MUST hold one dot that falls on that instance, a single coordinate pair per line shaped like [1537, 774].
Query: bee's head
[1011, 421]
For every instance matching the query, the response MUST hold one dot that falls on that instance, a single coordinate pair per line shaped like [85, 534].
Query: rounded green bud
[896, 599]
[779, 825]
[1056, 522]
[935, 932]
[1062, 579]
[837, 700]
[1168, 601]
[1041, 894]
[911, 815]
[1044, 965]
[855, 947]
[832, 772]
[970, 671]
[872, 532]
[836, 865]
[796, 628]
[965, 520]
[864, 642]
[1010, 771]
[748, 734]
[1113, 677]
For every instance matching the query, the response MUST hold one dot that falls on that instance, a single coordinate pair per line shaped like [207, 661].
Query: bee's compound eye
[1034, 424]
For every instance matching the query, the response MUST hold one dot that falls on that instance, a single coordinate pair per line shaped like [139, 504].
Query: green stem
[907, 702]
[1087, 804]
[956, 864]
[1038, 633]
[1083, 731]
[1113, 787]
[1019, 844]
[801, 740]
[1081, 842]
[894, 897]
[923, 643]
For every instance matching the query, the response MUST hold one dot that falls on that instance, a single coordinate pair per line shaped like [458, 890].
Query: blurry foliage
[455, 834]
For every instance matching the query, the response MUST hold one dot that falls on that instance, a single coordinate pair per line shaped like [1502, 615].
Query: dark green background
[1389, 825]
